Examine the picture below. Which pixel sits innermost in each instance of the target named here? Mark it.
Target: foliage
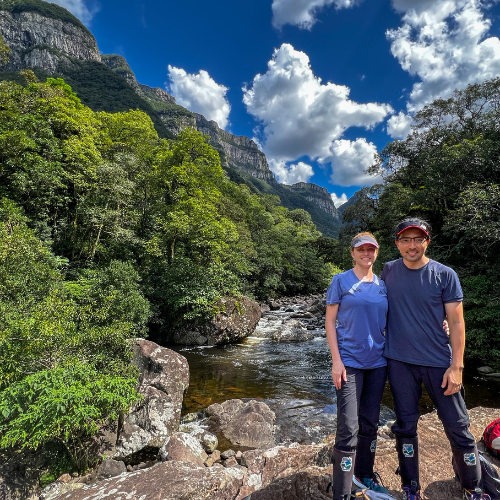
(66, 404)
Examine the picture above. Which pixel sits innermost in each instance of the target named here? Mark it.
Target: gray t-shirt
(417, 297)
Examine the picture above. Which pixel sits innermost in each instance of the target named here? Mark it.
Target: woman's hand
(338, 373)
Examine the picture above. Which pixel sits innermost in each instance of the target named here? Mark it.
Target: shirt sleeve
(452, 292)
(334, 292)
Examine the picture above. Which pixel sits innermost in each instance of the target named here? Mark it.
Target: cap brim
(413, 227)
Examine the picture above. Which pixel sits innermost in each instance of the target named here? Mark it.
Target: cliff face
(317, 195)
(236, 151)
(41, 42)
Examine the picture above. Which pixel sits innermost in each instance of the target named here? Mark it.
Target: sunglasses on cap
(413, 224)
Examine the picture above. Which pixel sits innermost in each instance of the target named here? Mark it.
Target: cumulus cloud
(301, 172)
(300, 116)
(79, 9)
(198, 92)
(338, 200)
(302, 13)
(399, 126)
(444, 44)
(349, 160)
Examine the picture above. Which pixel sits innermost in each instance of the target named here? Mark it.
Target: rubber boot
(468, 467)
(343, 470)
(408, 461)
(365, 456)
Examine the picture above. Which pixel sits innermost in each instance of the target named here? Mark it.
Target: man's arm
(452, 379)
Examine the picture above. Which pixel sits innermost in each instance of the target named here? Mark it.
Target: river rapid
(293, 378)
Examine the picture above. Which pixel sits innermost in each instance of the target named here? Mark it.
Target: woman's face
(364, 255)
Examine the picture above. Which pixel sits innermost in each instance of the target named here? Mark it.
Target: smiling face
(412, 252)
(364, 255)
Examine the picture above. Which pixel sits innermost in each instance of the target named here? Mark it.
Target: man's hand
(452, 380)
(338, 373)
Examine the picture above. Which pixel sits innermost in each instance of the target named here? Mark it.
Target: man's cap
(364, 240)
(413, 224)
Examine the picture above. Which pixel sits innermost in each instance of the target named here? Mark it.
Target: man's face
(412, 251)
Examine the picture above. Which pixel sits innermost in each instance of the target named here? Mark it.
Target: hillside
(53, 43)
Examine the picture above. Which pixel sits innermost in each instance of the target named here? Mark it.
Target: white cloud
(399, 126)
(302, 13)
(339, 200)
(444, 44)
(301, 172)
(79, 9)
(299, 115)
(349, 160)
(198, 92)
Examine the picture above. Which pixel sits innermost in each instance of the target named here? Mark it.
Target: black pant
(358, 405)
(406, 386)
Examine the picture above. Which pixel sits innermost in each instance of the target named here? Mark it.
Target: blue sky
(321, 85)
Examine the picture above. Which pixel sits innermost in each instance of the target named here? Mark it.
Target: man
(421, 293)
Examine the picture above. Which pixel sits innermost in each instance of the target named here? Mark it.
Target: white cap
(364, 240)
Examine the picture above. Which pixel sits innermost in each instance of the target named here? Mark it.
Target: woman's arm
(338, 368)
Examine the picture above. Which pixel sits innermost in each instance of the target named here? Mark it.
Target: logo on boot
(373, 446)
(346, 464)
(408, 450)
(470, 458)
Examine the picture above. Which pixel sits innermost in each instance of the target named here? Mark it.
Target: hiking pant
(406, 386)
(358, 406)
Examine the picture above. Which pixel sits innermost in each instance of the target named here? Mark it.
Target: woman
(355, 322)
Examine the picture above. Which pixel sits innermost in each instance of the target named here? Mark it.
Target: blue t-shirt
(417, 297)
(361, 319)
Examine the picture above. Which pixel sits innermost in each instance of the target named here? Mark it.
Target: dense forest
(106, 230)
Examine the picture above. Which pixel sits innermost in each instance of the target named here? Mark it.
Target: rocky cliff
(317, 195)
(39, 41)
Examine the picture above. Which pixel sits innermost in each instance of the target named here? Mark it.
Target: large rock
(167, 481)
(236, 318)
(164, 377)
(183, 447)
(244, 424)
(292, 331)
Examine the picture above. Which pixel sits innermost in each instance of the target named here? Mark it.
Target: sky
(320, 85)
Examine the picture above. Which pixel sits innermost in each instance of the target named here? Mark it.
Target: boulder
(292, 331)
(318, 307)
(182, 447)
(235, 319)
(166, 481)
(110, 468)
(243, 424)
(164, 377)
(485, 370)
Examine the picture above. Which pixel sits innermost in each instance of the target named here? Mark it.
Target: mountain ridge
(48, 39)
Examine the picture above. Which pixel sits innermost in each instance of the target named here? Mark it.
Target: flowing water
(293, 378)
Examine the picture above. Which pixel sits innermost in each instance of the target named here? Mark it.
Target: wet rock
(190, 417)
(485, 370)
(110, 468)
(243, 424)
(236, 319)
(318, 307)
(305, 315)
(164, 377)
(292, 331)
(208, 440)
(182, 447)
